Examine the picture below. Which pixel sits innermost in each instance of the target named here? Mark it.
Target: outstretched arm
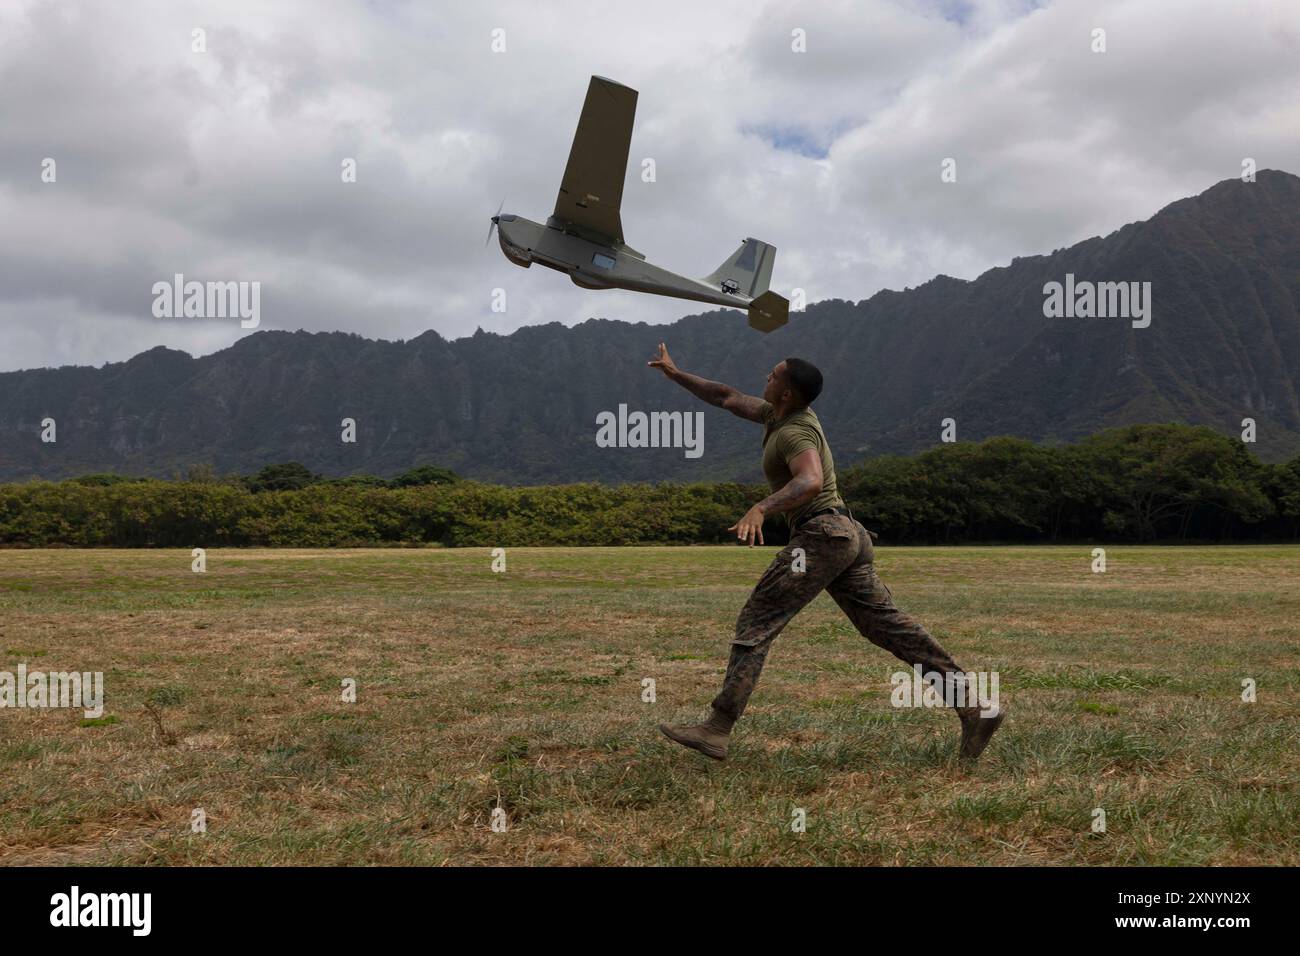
(715, 393)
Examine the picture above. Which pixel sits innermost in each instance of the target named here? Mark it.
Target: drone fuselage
(594, 264)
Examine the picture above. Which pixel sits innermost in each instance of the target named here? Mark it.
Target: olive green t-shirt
(787, 438)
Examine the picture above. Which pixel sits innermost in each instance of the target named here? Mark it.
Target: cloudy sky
(226, 164)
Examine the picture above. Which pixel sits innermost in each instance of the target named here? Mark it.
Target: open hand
(750, 527)
(663, 361)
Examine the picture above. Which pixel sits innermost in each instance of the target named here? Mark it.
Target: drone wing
(592, 189)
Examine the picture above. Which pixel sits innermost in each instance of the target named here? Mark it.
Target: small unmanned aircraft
(584, 236)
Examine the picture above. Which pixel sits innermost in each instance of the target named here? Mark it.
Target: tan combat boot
(709, 738)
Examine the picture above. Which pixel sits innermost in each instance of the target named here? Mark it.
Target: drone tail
(769, 312)
(750, 268)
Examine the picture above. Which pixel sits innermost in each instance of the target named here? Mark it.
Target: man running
(837, 556)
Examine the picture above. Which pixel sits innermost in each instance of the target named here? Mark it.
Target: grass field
(524, 690)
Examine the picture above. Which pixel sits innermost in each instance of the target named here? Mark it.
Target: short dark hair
(805, 378)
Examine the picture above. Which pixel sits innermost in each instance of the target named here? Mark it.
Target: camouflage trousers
(837, 555)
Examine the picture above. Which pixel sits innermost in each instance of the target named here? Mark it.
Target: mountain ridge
(1224, 344)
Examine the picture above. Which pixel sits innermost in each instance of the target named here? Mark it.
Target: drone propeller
(493, 224)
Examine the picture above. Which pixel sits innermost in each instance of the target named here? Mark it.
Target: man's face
(776, 385)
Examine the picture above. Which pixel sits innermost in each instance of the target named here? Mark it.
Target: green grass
(523, 690)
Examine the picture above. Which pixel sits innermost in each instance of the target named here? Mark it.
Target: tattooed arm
(715, 393)
(804, 485)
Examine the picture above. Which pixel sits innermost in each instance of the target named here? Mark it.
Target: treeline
(341, 514)
(1141, 483)
(1137, 484)
(290, 476)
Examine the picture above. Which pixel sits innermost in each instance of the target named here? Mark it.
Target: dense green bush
(188, 514)
(1142, 483)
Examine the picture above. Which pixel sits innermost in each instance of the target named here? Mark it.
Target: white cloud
(225, 165)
